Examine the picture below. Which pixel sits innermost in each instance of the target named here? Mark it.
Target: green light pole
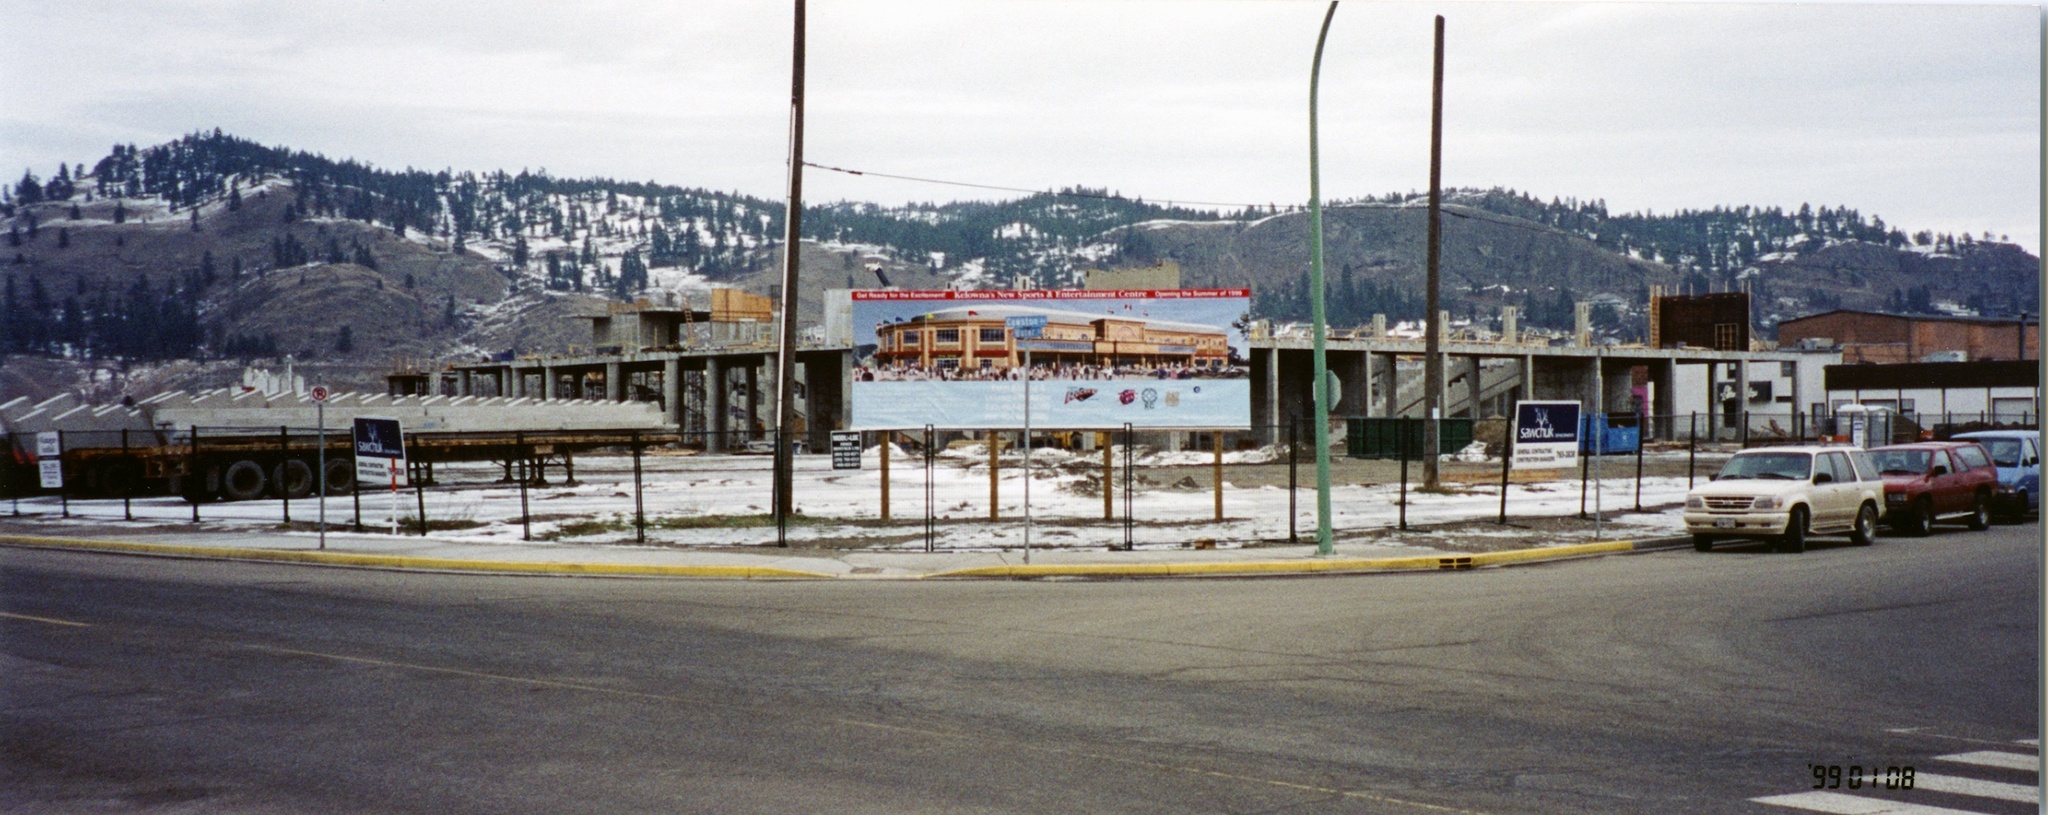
(1315, 271)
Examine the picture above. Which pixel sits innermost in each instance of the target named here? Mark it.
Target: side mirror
(1938, 471)
(1822, 478)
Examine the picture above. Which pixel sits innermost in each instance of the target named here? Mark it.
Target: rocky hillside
(175, 264)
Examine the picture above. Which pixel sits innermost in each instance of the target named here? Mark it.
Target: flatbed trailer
(206, 464)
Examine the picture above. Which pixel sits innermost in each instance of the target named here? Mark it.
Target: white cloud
(1927, 115)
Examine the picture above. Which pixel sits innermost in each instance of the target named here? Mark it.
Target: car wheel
(1702, 543)
(1915, 521)
(1794, 540)
(1865, 531)
(1980, 513)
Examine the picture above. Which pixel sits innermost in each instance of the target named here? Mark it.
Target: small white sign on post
(50, 459)
(1546, 436)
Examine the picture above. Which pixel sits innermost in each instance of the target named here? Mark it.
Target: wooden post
(1108, 486)
(994, 443)
(887, 438)
(1216, 442)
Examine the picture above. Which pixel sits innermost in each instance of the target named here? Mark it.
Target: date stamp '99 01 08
(1857, 776)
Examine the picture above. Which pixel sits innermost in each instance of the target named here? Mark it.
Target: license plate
(1724, 523)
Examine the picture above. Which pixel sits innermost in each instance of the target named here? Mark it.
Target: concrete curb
(418, 563)
(1011, 572)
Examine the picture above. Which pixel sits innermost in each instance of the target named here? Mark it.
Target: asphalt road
(1664, 682)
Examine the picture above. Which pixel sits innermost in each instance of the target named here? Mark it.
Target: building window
(908, 337)
(946, 336)
(991, 335)
(1727, 336)
(1788, 369)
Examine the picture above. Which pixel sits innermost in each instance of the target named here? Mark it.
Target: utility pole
(1433, 352)
(785, 354)
(1321, 388)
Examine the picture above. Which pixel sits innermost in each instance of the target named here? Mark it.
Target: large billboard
(1172, 358)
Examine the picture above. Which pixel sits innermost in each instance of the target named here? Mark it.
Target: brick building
(1870, 336)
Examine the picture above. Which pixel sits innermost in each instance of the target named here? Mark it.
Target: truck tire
(243, 481)
(292, 478)
(341, 476)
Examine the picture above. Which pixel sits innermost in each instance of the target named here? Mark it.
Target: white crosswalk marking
(1995, 758)
(1981, 789)
(1839, 804)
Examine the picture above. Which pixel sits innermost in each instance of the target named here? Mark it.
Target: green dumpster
(1382, 437)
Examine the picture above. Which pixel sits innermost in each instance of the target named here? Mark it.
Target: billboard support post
(1216, 441)
(887, 442)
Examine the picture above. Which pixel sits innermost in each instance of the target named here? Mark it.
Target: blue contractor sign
(380, 449)
(1546, 435)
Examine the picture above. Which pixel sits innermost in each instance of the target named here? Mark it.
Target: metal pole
(930, 514)
(1027, 454)
(1321, 385)
(127, 492)
(1583, 465)
(320, 477)
(1129, 543)
(63, 484)
(194, 475)
(1216, 469)
(1639, 462)
(1403, 443)
(781, 517)
(284, 465)
(1432, 354)
(792, 236)
(1599, 450)
(1692, 446)
(1507, 456)
(888, 441)
(1293, 478)
(419, 485)
(639, 505)
(525, 518)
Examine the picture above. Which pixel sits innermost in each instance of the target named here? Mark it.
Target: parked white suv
(1785, 494)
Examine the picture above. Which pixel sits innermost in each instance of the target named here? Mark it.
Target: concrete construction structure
(1877, 337)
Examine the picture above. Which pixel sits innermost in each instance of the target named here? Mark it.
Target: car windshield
(1900, 462)
(1790, 466)
(2004, 451)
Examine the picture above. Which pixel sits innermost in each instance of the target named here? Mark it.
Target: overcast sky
(1926, 115)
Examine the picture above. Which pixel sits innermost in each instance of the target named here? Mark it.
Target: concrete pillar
(753, 376)
(614, 382)
(1528, 377)
(1272, 418)
(1741, 395)
(1474, 388)
(672, 390)
(1799, 422)
(1393, 386)
(1592, 389)
(715, 399)
(466, 386)
(1368, 402)
(550, 382)
(1713, 418)
(1357, 383)
(1662, 398)
(1509, 325)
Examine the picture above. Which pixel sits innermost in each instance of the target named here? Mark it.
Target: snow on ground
(722, 501)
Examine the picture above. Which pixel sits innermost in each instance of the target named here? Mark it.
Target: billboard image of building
(1150, 358)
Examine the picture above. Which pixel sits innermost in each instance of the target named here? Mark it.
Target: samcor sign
(380, 450)
(1546, 435)
(1169, 358)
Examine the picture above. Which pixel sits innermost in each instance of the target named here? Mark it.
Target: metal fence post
(1507, 456)
(194, 476)
(63, 484)
(1293, 479)
(931, 523)
(1639, 462)
(639, 506)
(284, 465)
(1692, 446)
(419, 487)
(128, 489)
(1584, 463)
(525, 517)
(1403, 444)
(1130, 542)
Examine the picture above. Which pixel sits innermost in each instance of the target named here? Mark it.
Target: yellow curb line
(1444, 562)
(397, 562)
(1448, 562)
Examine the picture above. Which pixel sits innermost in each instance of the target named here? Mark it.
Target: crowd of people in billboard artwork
(1047, 372)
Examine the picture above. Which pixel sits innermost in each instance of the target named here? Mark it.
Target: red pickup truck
(1931, 481)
